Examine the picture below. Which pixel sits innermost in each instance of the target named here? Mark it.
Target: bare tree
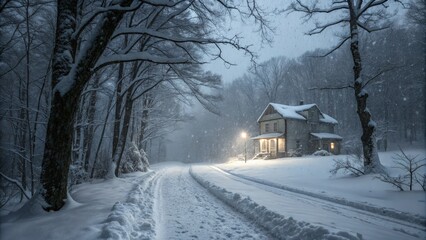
(73, 65)
(24, 48)
(417, 12)
(409, 165)
(356, 15)
(271, 75)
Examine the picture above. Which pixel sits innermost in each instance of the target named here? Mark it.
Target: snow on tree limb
(139, 56)
(85, 45)
(157, 34)
(89, 19)
(17, 183)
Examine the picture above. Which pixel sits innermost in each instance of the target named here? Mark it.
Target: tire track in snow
(408, 228)
(279, 226)
(186, 210)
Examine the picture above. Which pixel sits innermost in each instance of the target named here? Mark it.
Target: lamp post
(244, 136)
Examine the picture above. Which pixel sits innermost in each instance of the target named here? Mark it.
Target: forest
(83, 82)
(396, 100)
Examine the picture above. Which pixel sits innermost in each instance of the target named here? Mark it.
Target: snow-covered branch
(17, 183)
(351, 164)
(89, 19)
(139, 56)
(160, 35)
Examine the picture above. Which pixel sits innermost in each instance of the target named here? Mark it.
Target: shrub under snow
(137, 160)
(321, 153)
(351, 165)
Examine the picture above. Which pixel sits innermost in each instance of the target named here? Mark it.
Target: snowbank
(133, 219)
(278, 225)
(82, 217)
(417, 219)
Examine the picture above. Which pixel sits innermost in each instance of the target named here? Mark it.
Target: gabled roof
(293, 112)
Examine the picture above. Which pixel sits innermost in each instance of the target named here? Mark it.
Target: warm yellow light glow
(244, 135)
(332, 145)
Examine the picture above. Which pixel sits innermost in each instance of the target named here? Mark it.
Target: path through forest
(185, 210)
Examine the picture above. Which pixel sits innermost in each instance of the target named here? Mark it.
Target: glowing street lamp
(244, 136)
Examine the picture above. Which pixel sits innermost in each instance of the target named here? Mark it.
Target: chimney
(301, 102)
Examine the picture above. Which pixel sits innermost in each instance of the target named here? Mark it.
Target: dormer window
(267, 127)
(275, 127)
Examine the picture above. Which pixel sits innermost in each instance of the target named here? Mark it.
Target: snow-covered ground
(303, 189)
(84, 217)
(311, 174)
(291, 198)
(166, 203)
(185, 210)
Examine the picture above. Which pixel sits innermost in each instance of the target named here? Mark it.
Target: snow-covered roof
(327, 119)
(267, 135)
(288, 111)
(293, 112)
(326, 136)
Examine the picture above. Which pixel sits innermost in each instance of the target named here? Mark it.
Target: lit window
(272, 146)
(281, 145)
(263, 145)
(332, 146)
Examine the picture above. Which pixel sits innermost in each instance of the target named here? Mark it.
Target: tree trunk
(57, 158)
(371, 157)
(27, 96)
(128, 106)
(89, 130)
(22, 133)
(147, 104)
(118, 102)
(77, 153)
(57, 152)
(92, 173)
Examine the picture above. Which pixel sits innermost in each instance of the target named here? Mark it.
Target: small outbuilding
(286, 130)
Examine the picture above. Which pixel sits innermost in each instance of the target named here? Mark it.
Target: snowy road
(185, 210)
(316, 211)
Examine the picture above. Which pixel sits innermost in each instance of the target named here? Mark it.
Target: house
(291, 130)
